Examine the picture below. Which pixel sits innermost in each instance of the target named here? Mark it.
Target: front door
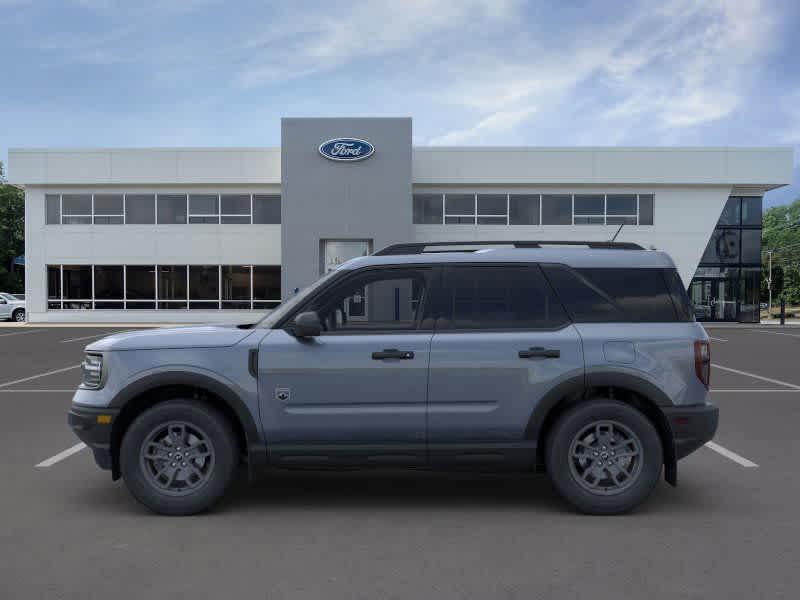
(714, 299)
(358, 392)
(502, 342)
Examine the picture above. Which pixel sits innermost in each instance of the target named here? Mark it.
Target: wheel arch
(624, 387)
(153, 389)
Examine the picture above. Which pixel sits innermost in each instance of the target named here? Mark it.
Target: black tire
(200, 417)
(18, 315)
(640, 473)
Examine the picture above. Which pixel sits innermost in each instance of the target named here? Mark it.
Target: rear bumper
(692, 426)
(96, 435)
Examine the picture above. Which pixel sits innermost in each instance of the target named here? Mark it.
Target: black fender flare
(256, 446)
(577, 386)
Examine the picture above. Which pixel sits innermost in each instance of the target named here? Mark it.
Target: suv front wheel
(604, 457)
(178, 457)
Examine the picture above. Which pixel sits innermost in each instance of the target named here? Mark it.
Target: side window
(498, 297)
(376, 300)
(613, 295)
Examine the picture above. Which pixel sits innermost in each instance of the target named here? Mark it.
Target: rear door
(502, 342)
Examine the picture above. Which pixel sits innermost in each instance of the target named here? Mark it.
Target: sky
(106, 73)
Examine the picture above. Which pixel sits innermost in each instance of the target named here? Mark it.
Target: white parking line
(88, 337)
(64, 391)
(754, 376)
(24, 379)
(717, 339)
(49, 462)
(794, 335)
(723, 391)
(740, 460)
(22, 332)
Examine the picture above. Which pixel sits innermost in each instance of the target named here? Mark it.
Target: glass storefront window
(730, 214)
(751, 211)
(751, 246)
(749, 294)
(723, 247)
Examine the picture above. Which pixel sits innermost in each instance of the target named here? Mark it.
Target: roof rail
(428, 247)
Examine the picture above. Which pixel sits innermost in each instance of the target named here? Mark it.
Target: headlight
(92, 369)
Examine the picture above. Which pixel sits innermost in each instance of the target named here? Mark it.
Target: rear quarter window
(617, 295)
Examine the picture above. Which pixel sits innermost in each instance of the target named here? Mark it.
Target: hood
(201, 336)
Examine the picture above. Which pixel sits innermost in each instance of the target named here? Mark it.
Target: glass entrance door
(714, 299)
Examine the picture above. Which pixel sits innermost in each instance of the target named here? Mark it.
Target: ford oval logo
(346, 149)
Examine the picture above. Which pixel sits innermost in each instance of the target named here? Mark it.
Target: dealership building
(224, 234)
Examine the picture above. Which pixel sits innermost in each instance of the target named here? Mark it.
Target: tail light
(702, 361)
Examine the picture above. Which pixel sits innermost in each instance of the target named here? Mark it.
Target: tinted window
(589, 209)
(53, 206)
(172, 286)
(557, 209)
(235, 208)
(53, 282)
(523, 209)
(140, 282)
(646, 209)
(171, 209)
(203, 208)
(613, 295)
(266, 286)
(108, 282)
(680, 299)
(236, 287)
(77, 282)
(751, 245)
(723, 247)
(428, 209)
(266, 209)
(494, 297)
(203, 285)
(76, 209)
(108, 209)
(460, 205)
(730, 214)
(390, 299)
(751, 211)
(492, 209)
(140, 209)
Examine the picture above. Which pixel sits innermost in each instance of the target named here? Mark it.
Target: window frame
(607, 219)
(136, 304)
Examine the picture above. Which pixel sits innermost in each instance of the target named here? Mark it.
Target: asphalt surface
(727, 531)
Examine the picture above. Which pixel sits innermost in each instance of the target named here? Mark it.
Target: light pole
(769, 285)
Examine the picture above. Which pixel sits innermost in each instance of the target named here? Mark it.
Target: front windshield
(276, 315)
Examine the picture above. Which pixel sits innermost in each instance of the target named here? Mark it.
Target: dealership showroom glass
(214, 234)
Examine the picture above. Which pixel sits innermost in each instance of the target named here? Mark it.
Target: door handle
(539, 352)
(393, 353)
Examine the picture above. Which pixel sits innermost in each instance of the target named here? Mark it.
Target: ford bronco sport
(582, 360)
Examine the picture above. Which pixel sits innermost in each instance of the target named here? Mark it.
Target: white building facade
(223, 234)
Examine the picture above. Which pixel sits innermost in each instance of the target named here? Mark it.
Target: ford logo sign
(346, 149)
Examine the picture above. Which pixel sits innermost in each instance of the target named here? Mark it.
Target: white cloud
(302, 44)
(496, 122)
(683, 64)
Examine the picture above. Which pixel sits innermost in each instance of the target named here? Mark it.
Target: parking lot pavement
(726, 531)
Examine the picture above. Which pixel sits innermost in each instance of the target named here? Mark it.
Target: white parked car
(12, 308)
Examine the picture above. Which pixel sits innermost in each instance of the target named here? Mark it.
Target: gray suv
(582, 360)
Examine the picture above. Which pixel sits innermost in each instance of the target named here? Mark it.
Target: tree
(12, 235)
(781, 235)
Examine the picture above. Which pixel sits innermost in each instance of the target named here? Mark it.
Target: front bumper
(692, 426)
(93, 427)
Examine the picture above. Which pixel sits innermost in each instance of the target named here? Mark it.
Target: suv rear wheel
(178, 457)
(604, 457)
(19, 315)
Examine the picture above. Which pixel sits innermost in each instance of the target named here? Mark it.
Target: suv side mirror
(307, 324)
